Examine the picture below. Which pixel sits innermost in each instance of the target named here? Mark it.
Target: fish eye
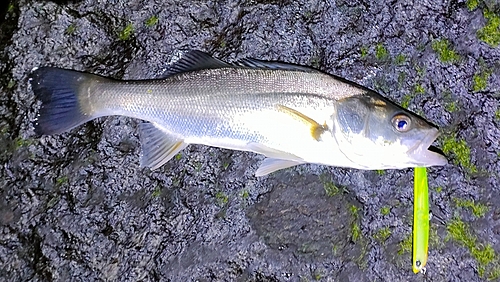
(401, 122)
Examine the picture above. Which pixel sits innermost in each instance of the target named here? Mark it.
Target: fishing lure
(420, 220)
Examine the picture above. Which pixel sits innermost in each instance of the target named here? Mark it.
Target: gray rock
(77, 206)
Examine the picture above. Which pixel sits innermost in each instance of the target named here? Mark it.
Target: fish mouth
(424, 154)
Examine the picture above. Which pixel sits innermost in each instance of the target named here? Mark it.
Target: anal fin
(157, 146)
(270, 165)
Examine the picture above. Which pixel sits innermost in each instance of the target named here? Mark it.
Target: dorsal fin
(258, 64)
(195, 60)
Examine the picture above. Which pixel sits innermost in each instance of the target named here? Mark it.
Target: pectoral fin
(271, 165)
(157, 146)
(316, 129)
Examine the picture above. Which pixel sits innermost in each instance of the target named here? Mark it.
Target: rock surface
(77, 207)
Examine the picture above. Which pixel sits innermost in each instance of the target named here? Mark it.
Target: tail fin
(58, 90)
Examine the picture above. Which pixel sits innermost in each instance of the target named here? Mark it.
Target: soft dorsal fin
(258, 64)
(195, 60)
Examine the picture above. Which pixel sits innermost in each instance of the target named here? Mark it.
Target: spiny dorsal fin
(258, 64)
(195, 60)
(316, 128)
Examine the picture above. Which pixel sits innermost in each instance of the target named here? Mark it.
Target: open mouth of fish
(423, 152)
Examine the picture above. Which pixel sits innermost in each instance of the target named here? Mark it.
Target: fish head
(375, 133)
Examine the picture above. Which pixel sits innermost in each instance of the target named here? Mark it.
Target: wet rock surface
(77, 206)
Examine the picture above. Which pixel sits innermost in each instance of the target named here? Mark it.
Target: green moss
(308, 15)
(53, 201)
(354, 211)
(127, 32)
(221, 198)
(480, 80)
(355, 232)
(461, 152)
(245, 194)
(62, 180)
(445, 51)
(156, 193)
(357, 237)
(317, 275)
(176, 182)
(355, 228)
(308, 248)
(381, 52)
(383, 234)
(152, 21)
(385, 210)
(11, 84)
(477, 209)
(451, 107)
(458, 231)
(401, 78)
(490, 33)
(497, 114)
(198, 166)
(380, 171)
(11, 7)
(419, 89)
(400, 59)
(315, 62)
(331, 189)
(364, 52)
(4, 129)
(484, 254)
(405, 101)
(178, 156)
(494, 273)
(70, 29)
(450, 104)
(420, 70)
(435, 240)
(19, 142)
(472, 4)
(406, 246)
(439, 189)
(335, 249)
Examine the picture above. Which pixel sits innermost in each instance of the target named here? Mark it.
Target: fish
(289, 113)
(421, 220)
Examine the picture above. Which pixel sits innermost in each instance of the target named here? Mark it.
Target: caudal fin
(58, 90)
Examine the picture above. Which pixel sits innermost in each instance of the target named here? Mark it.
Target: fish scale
(291, 114)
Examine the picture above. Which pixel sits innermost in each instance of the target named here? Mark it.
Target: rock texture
(78, 207)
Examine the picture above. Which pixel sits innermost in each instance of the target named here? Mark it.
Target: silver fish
(291, 114)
